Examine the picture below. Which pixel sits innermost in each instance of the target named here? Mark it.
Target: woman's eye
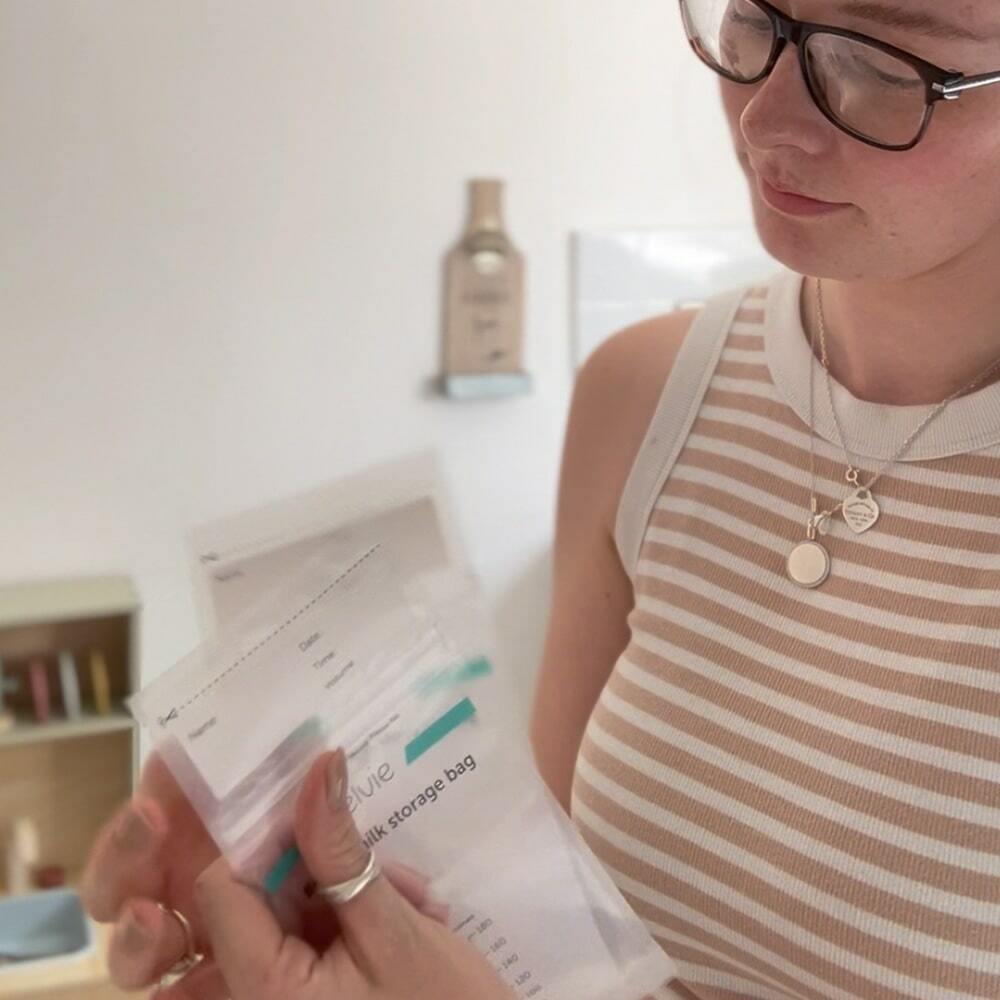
(869, 69)
(759, 24)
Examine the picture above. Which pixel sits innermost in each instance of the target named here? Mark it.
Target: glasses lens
(866, 89)
(734, 37)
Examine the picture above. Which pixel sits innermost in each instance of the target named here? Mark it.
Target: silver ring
(191, 957)
(344, 892)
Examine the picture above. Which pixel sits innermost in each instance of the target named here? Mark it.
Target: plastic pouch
(240, 719)
(398, 673)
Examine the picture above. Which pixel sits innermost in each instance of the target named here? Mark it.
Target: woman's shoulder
(618, 389)
(639, 356)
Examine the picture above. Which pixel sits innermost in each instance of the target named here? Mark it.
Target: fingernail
(133, 832)
(134, 937)
(336, 780)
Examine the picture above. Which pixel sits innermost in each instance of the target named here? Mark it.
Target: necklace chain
(852, 473)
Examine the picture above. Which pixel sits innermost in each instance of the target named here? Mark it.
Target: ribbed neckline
(871, 430)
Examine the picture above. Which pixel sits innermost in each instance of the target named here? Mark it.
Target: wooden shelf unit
(67, 775)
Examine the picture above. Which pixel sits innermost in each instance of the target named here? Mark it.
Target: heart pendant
(861, 511)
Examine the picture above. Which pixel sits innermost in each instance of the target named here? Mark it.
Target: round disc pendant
(808, 564)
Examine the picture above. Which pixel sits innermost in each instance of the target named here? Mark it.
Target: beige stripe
(912, 866)
(744, 370)
(843, 935)
(740, 341)
(943, 975)
(745, 314)
(744, 341)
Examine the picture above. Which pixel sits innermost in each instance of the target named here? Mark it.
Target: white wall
(221, 231)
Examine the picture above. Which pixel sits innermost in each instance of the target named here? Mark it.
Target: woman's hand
(387, 948)
(152, 851)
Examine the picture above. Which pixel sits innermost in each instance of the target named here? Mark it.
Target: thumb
(378, 922)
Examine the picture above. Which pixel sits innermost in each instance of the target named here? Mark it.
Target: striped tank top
(799, 790)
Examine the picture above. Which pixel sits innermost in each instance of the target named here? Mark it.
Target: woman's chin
(802, 248)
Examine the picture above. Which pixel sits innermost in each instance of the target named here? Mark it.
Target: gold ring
(191, 956)
(344, 892)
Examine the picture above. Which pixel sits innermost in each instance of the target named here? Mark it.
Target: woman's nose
(781, 111)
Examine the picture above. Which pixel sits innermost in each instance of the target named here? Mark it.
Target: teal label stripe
(281, 870)
(437, 731)
(471, 670)
(479, 667)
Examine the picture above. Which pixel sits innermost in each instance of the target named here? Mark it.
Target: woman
(769, 693)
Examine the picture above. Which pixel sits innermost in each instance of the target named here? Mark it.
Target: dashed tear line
(298, 614)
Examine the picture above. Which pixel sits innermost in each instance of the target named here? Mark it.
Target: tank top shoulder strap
(675, 413)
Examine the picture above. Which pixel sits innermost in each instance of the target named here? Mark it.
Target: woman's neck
(913, 342)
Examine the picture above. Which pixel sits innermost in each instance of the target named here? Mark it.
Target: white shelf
(25, 731)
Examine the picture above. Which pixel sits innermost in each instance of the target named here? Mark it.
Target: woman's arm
(613, 403)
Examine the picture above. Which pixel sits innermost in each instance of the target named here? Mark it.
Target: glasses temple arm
(953, 88)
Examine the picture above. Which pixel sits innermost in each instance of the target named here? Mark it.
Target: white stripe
(838, 863)
(946, 854)
(909, 665)
(740, 356)
(688, 506)
(754, 909)
(751, 577)
(884, 544)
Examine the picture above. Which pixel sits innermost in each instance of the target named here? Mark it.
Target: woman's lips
(795, 204)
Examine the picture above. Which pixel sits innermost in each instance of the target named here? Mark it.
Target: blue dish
(43, 928)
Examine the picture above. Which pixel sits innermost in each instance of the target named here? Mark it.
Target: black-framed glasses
(869, 89)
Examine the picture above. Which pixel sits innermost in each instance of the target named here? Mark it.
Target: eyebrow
(922, 22)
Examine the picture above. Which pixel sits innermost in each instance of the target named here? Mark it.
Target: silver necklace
(809, 561)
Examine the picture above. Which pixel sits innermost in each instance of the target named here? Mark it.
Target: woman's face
(906, 213)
